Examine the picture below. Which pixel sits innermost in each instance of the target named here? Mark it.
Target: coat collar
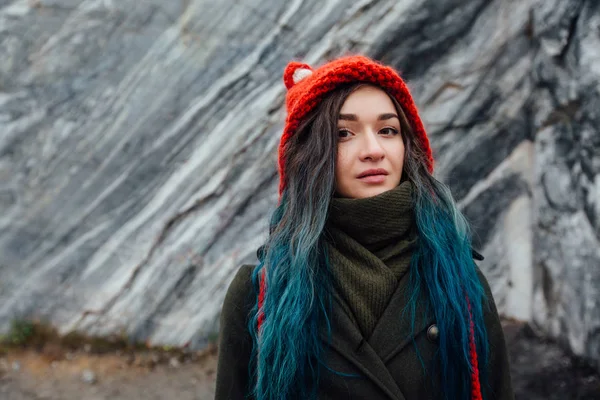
(393, 331)
(388, 338)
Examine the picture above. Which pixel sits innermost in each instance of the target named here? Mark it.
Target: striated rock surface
(138, 146)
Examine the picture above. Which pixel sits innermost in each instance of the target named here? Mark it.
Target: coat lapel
(393, 331)
(347, 340)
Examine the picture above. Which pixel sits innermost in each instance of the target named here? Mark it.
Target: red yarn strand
(261, 300)
(475, 384)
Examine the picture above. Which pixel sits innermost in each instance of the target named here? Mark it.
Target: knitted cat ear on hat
(295, 72)
(306, 87)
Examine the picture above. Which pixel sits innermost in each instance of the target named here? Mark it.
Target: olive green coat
(387, 364)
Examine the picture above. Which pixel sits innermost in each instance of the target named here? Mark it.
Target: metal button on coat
(433, 333)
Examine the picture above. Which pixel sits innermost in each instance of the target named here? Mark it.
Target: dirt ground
(33, 375)
(540, 370)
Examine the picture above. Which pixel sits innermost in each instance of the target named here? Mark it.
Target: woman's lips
(379, 178)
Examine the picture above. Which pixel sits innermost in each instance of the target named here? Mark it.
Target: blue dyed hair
(288, 352)
(442, 265)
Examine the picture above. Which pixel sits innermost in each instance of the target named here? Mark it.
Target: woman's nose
(372, 149)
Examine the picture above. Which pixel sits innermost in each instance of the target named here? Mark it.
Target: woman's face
(370, 148)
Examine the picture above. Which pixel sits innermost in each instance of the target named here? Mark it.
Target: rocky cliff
(138, 140)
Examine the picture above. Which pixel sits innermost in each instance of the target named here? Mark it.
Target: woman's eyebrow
(382, 117)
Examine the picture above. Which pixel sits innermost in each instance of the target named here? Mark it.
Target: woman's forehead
(368, 103)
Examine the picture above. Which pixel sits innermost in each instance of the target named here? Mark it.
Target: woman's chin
(364, 192)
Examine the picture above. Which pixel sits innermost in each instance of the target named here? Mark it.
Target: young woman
(366, 287)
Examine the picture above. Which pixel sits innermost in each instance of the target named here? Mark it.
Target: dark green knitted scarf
(370, 243)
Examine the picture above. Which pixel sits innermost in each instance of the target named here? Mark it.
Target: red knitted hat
(307, 87)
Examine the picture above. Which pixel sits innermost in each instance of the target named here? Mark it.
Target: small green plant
(27, 333)
(20, 333)
(35, 334)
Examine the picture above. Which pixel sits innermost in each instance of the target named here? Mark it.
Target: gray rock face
(138, 148)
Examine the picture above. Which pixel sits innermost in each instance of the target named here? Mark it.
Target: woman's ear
(295, 72)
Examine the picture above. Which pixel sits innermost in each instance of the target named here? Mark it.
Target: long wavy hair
(288, 351)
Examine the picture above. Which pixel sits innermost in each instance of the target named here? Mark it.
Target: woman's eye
(343, 133)
(389, 131)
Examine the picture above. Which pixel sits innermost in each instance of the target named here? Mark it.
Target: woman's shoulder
(240, 296)
(490, 310)
(242, 281)
(484, 283)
